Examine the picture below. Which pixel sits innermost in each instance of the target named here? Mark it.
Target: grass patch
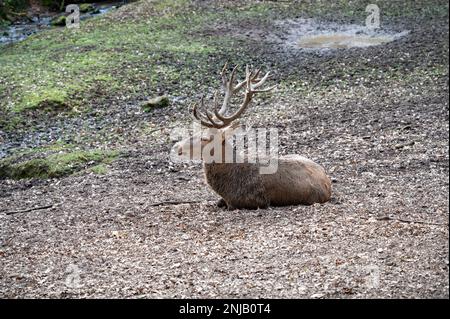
(161, 51)
(100, 169)
(47, 99)
(62, 163)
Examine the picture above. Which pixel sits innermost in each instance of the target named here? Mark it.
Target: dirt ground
(384, 234)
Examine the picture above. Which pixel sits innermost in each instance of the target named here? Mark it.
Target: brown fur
(297, 181)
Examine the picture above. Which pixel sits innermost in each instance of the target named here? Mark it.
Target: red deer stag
(240, 184)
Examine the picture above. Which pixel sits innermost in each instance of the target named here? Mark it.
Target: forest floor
(376, 118)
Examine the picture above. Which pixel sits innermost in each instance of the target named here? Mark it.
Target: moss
(86, 7)
(100, 169)
(47, 100)
(56, 164)
(28, 169)
(162, 49)
(58, 21)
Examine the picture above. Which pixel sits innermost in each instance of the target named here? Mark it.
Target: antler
(251, 84)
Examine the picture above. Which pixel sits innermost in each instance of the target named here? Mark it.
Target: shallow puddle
(342, 41)
(311, 34)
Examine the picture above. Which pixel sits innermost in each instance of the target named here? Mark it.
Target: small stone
(400, 146)
(87, 7)
(58, 21)
(154, 103)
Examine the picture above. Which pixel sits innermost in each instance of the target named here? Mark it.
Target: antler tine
(224, 68)
(245, 103)
(251, 82)
(228, 87)
(261, 81)
(232, 77)
(248, 78)
(255, 77)
(251, 89)
(210, 118)
(198, 117)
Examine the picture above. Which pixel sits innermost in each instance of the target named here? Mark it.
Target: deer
(240, 185)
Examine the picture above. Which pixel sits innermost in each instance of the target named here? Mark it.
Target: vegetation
(9, 9)
(173, 48)
(141, 57)
(55, 161)
(58, 21)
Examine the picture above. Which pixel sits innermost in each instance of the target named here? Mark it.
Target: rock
(58, 21)
(400, 146)
(155, 103)
(87, 7)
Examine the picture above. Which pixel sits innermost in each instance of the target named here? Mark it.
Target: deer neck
(224, 161)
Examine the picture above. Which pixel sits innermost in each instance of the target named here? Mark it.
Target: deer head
(219, 125)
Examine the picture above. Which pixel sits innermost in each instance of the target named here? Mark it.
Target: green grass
(71, 66)
(47, 99)
(100, 169)
(135, 59)
(61, 161)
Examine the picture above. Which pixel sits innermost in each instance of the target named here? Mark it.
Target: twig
(409, 221)
(166, 203)
(162, 128)
(28, 209)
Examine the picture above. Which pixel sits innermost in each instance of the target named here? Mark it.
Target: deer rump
(298, 180)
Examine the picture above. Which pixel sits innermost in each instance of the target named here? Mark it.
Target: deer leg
(223, 204)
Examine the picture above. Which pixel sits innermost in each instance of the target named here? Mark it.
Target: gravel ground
(384, 234)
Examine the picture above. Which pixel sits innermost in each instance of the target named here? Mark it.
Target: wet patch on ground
(313, 34)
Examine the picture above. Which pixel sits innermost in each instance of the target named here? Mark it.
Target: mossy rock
(87, 7)
(49, 100)
(28, 169)
(58, 21)
(100, 169)
(56, 165)
(155, 103)
(52, 105)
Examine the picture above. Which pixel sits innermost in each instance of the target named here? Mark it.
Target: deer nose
(180, 151)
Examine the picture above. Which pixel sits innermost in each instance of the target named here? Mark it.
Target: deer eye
(205, 139)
